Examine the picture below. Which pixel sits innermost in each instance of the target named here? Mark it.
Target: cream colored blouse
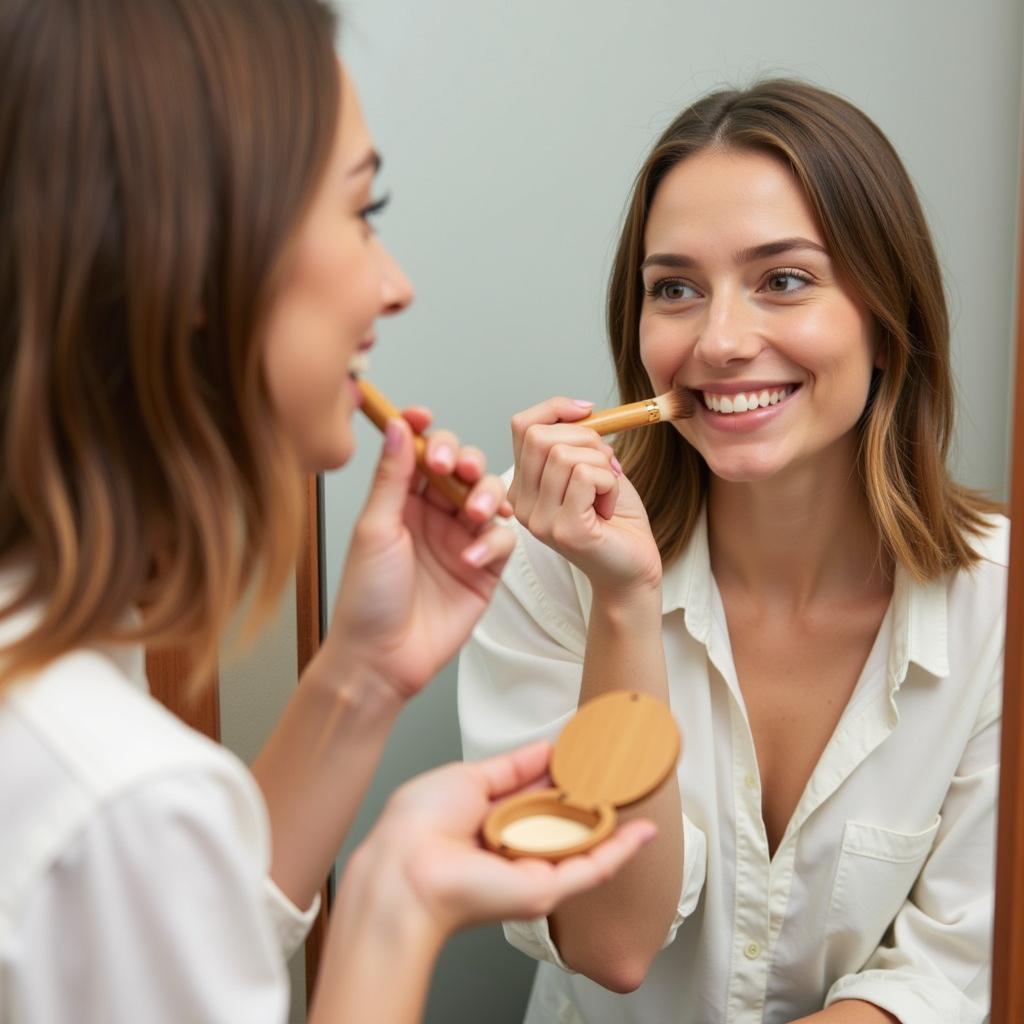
(881, 888)
(134, 858)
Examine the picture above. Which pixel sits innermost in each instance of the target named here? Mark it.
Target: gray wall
(511, 132)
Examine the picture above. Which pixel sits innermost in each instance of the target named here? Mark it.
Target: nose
(396, 289)
(727, 335)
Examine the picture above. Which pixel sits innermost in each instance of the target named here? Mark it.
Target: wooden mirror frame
(1008, 951)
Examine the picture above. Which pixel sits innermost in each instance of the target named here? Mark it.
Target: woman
(792, 570)
(187, 276)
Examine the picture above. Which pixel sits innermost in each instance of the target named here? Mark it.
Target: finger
(491, 550)
(591, 487)
(509, 772)
(471, 463)
(442, 451)
(577, 874)
(564, 462)
(419, 417)
(395, 472)
(533, 457)
(554, 410)
(484, 500)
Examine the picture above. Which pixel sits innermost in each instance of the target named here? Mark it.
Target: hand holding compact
(425, 847)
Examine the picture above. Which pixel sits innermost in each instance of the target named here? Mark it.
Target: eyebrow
(749, 255)
(371, 162)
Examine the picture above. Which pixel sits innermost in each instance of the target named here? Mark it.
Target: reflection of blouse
(881, 888)
(133, 859)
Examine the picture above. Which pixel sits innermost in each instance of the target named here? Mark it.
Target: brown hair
(878, 239)
(155, 158)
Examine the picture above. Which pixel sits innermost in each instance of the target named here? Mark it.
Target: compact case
(617, 749)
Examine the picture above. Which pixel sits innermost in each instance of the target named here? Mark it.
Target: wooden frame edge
(308, 619)
(1008, 934)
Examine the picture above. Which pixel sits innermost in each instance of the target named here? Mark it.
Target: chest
(797, 677)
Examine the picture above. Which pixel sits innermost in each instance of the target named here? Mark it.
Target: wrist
(374, 938)
(377, 887)
(638, 601)
(351, 686)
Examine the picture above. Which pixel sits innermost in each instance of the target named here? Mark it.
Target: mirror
(511, 135)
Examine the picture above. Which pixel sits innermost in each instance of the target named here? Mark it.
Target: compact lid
(616, 749)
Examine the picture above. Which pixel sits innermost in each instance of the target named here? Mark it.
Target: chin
(332, 453)
(744, 470)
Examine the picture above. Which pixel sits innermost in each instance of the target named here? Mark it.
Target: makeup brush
(379, 410)
(677, 404)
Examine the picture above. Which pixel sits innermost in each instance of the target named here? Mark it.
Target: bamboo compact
(617, 749)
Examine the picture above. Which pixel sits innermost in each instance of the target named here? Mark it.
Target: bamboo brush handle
(379, 409)
(623, 417)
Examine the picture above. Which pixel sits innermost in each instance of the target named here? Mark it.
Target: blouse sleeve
(934, 966)
(519, 681)
(157, 911)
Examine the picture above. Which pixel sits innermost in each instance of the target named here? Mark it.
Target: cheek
(337, 280)
(837, 348)
(663, 348)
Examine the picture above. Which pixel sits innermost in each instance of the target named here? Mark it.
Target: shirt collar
(919, 610)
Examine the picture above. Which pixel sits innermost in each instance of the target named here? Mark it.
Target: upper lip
(365, 346)
(742, 387)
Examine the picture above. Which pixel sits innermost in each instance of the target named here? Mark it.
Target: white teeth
(746, 402)
(359, 363)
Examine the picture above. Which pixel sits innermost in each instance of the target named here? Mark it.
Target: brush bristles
(677, 404)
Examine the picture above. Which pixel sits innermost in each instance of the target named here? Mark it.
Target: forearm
(850, 1011)
(612, 933)
(380, 950)
(315, 769)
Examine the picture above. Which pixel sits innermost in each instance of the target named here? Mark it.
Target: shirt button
(751, 781)
(752, 951)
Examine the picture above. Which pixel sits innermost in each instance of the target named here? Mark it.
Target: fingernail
(444, 457)
(484, 504)
(476, 553)
(616, 466)
(582, 403)
(393, 437)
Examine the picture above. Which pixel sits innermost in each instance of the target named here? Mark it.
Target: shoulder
(80, 738)
(978, 592)
(103, 729)
(993, 545)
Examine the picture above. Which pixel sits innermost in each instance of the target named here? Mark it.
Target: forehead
(735, 193)
(354, 139)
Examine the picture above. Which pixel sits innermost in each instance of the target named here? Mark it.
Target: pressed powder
(544, 832)
(615, 750)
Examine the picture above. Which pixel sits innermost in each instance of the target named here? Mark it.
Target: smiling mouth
(730, 405)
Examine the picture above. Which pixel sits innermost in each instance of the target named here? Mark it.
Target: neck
(802, 536)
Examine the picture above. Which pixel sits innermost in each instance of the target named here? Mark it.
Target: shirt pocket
(877, 869)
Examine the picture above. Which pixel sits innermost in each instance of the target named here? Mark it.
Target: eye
(367, 213)
(672, 289)
(784, 280)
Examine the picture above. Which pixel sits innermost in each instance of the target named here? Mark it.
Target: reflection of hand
(417, 575)
(570, 493)
(425, 845)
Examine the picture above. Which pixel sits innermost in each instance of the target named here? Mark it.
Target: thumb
(390, 487)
